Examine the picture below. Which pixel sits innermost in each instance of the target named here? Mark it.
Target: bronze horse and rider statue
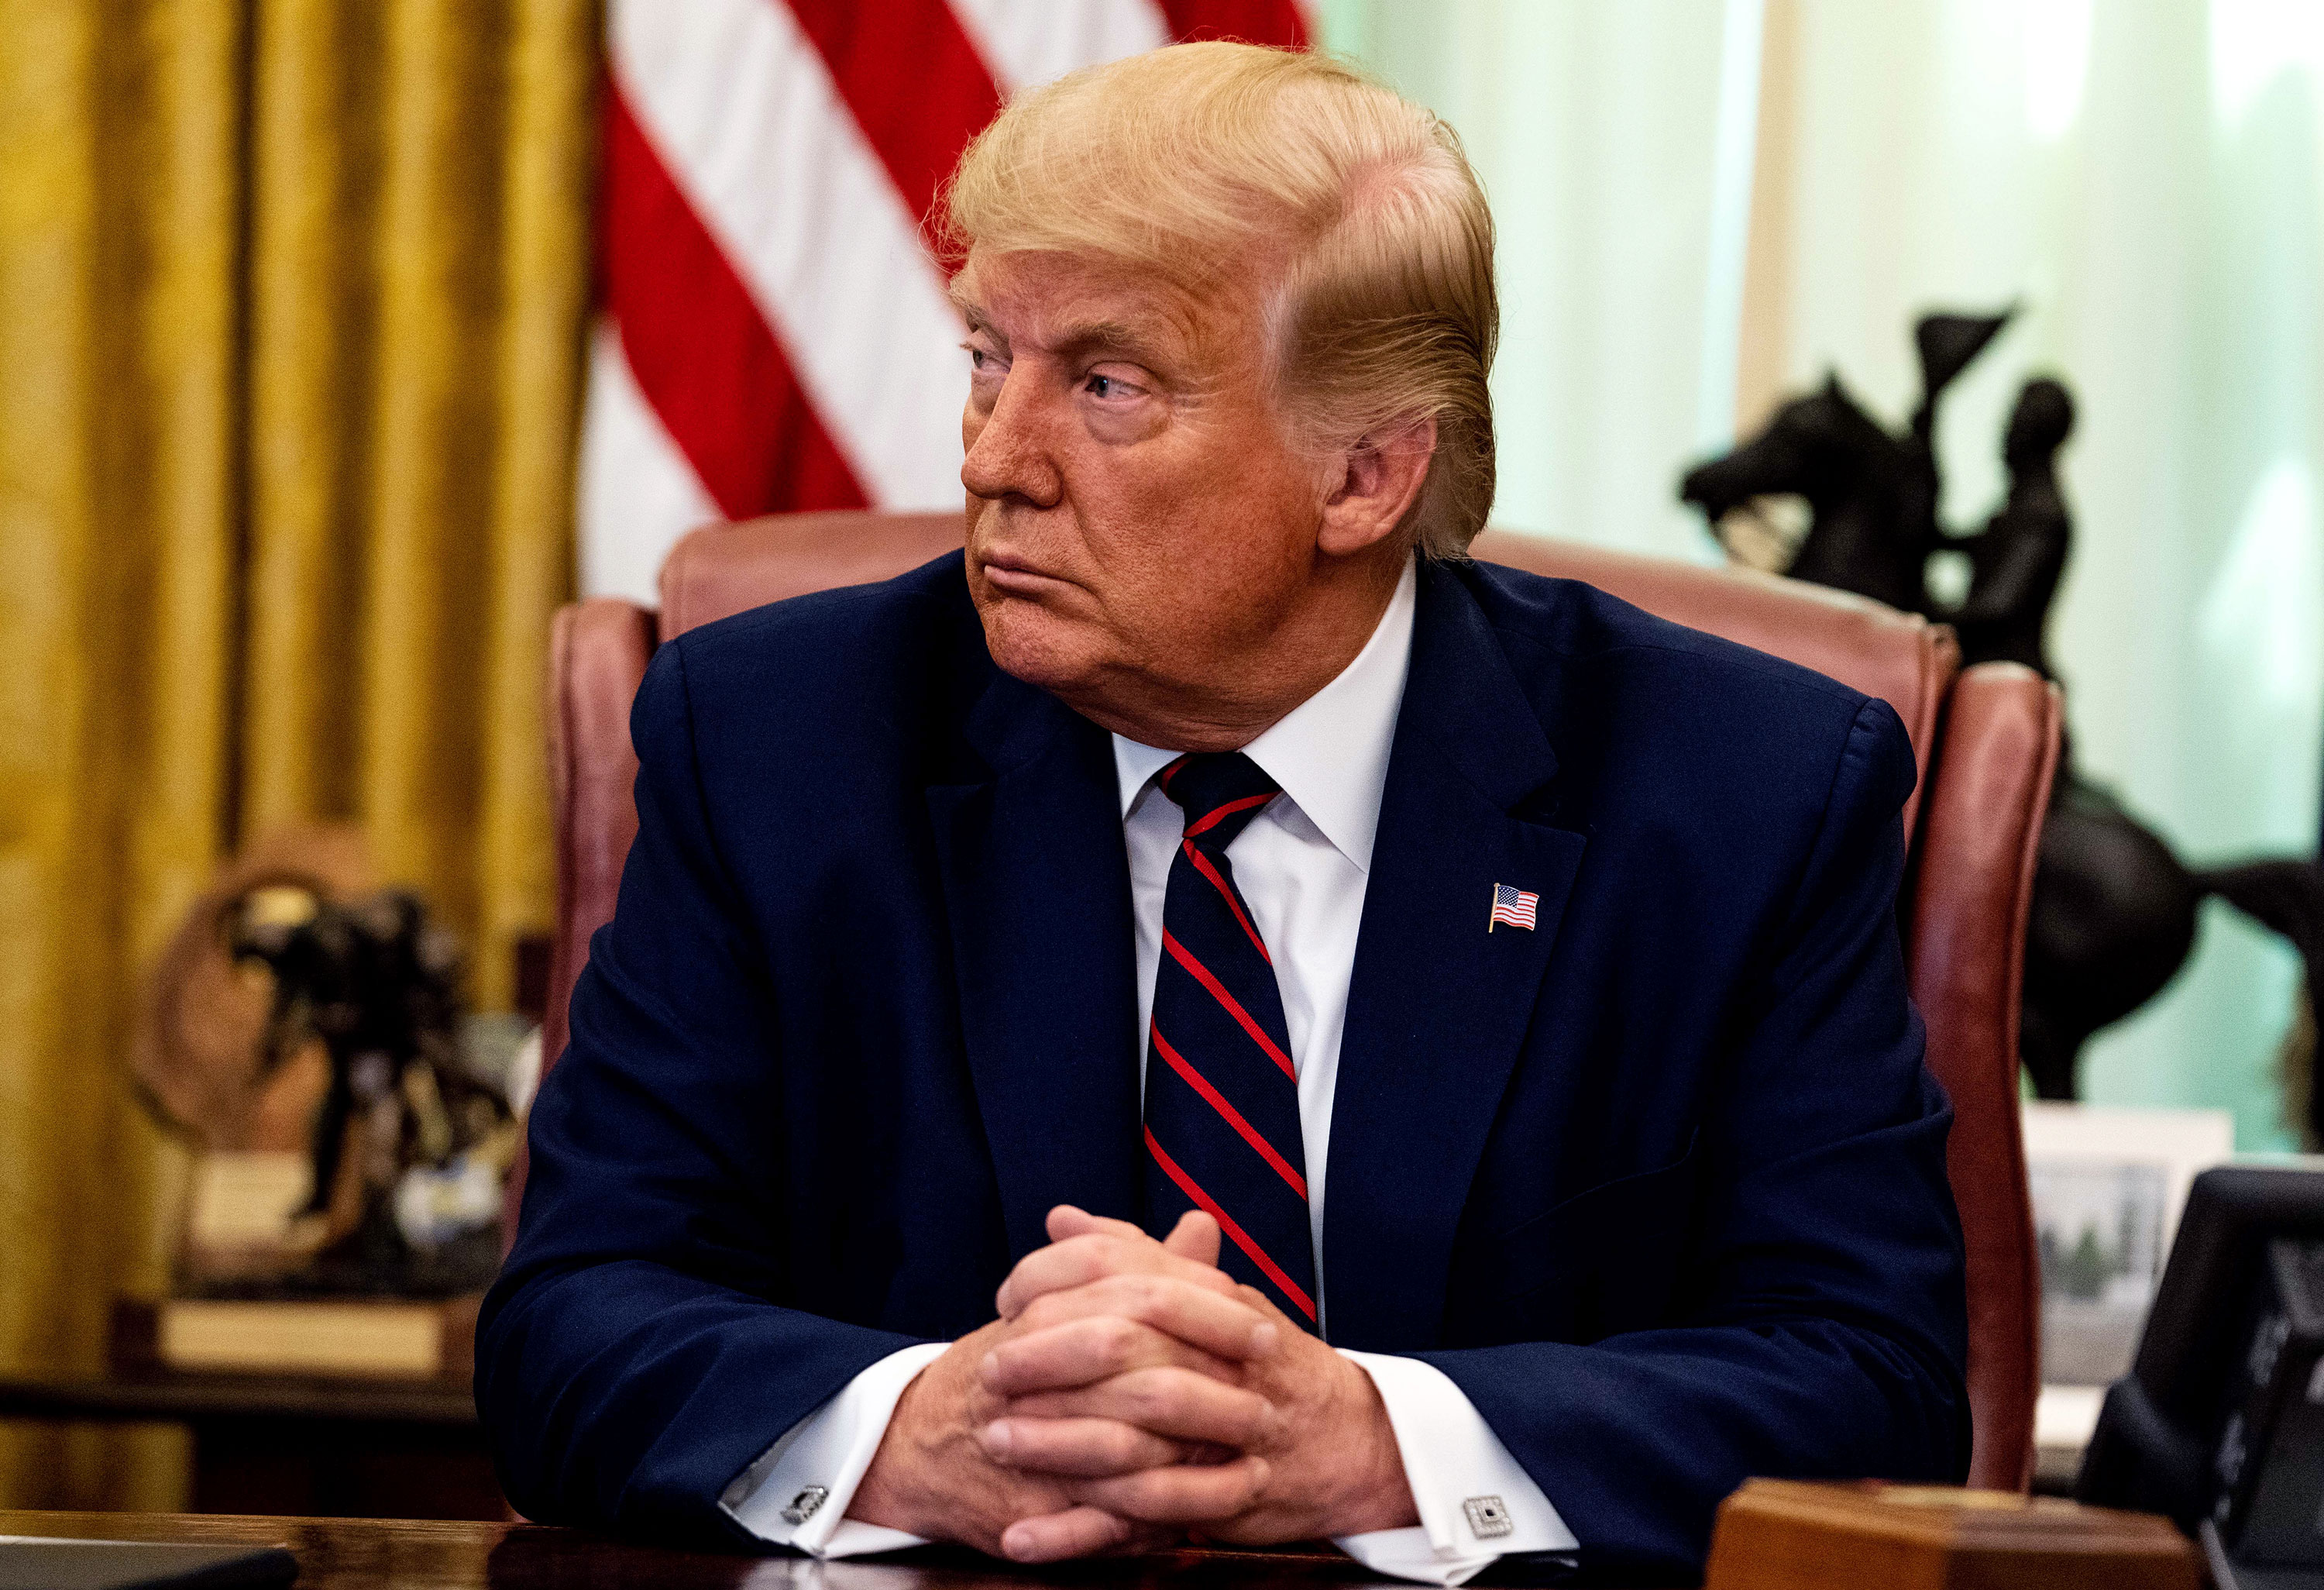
(2113, 910)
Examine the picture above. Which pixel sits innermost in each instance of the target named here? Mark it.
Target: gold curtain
(292, 299)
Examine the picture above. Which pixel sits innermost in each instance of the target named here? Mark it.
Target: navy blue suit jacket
(1660, 1183)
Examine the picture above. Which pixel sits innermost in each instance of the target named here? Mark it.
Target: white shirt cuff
(1476, 1502)
(797, 1493)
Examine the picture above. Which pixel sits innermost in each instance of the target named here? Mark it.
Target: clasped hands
(1133, 1393)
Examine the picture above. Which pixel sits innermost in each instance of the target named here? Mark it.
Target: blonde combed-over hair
(1201, 159)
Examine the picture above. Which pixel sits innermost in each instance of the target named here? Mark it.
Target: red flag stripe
(1235, 1234)
(725, 315)
(1203, 866)
(917, 134)
(1234, 1117)
(699, 349)
(1254, 22)
(1202, 974)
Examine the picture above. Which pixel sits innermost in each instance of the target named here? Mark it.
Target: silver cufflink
(1488, 1519)
(803, 1505)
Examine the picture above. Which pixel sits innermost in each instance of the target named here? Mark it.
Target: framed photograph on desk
(2108, 1185)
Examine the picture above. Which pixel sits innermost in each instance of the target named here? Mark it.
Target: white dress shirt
(1301, 866)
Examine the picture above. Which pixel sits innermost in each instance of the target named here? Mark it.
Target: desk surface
(363, 1554)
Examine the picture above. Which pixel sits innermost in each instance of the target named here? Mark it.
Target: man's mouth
(1017, 577)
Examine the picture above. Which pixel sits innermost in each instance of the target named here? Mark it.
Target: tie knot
(1220, 791)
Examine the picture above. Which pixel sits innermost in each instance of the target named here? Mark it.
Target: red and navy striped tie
(1221, 1096)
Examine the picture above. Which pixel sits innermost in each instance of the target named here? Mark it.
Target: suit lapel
(1437, 1005)
(1037, 889)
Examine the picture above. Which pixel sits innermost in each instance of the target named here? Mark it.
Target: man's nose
(1008, 453)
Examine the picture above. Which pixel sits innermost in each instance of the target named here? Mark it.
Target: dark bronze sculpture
(2016, 560)
(2114, 910)
(377, 983)
(302, 1034)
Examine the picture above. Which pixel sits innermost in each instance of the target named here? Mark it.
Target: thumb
(1066, 1221)
(1196, 1237)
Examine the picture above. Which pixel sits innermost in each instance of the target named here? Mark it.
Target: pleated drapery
(291, 297)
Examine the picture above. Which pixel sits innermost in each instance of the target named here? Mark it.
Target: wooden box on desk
(1783, 1535)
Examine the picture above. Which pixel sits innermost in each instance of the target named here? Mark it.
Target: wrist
(1378, 1494)
(912, 1482)
(929, 1476)
(886, 1494)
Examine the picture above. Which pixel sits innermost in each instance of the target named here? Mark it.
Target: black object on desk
(2220, 1423)
(35, 1563)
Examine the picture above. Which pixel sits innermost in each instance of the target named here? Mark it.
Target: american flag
(1513, 906)
(773, 331)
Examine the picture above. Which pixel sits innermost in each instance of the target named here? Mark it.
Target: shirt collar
(1330, 752)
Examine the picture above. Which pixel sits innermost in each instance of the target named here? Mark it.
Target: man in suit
(1209, 1011)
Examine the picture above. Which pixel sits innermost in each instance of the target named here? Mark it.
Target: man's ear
(1380, 477)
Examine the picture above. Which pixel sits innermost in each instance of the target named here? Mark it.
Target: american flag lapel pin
(1513, 906)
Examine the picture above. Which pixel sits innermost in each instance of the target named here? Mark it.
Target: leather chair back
(1985, 741)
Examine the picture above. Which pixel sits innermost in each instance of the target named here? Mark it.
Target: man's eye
(1106, 386)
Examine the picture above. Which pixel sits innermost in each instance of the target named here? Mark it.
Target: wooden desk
(362, 1553)
(274, 1443)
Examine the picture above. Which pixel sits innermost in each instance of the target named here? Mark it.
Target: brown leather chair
(1985, 739)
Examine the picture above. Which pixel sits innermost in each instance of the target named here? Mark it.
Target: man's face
(1137, 525)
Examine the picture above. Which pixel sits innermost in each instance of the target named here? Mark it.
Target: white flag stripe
(741, 106)
(1028, 43)
(638, 493)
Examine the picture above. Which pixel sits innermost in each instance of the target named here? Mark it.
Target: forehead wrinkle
(1108, 335)
(1112, 337)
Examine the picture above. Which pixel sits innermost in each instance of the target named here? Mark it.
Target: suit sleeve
(633, 1359)
(1825, 1331)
